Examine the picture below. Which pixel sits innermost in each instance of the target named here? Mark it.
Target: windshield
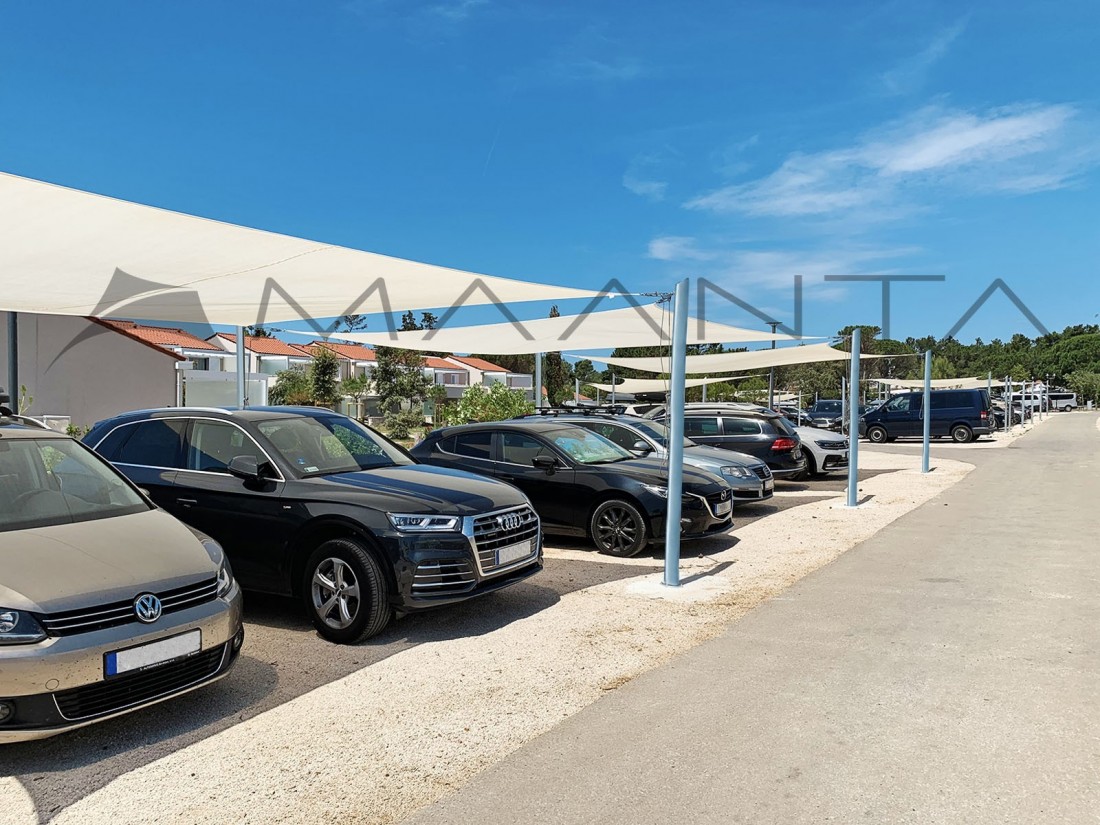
(330, 444)
(658, 432)
(828, 407)
(50, 481)
(586, 447)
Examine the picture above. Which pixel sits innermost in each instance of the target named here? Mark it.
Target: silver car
(107, 604)
(749, 478)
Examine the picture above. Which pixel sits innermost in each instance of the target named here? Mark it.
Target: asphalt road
(284, 658)
(947, 670)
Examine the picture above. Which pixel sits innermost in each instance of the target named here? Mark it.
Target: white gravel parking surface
(383, 741)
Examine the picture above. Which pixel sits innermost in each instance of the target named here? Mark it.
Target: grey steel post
(676, 434)
(576, 391)
(538, 380)
(612, 387)
(242, 370)
(843, 404)
(771, 373)
(926, 412)
(853, 424)
(13, 360)
(704, 393)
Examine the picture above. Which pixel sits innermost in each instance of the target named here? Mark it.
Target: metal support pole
(843, 404)
(676, 434)
(13, 360)
(926, 413)
(577, 391)
(538, 380)
(613, 387)
(853, 424)
(242, 370)
(771, 373)
(704, 393)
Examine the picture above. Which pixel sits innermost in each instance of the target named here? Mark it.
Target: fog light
(238, 640)
(7, 711)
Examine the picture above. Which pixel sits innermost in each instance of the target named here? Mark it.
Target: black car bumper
(699, 516)
(785, 465)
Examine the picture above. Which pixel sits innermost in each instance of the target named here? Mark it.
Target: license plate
(515, 552)
(723, 508)
(152, 654)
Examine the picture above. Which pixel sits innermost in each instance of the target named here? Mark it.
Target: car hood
(72, 566)
(723, 458)
(655, 471)
(813, 434)
(419, 488)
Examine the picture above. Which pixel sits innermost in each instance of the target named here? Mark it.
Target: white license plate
(154, 653)
(515, 552)
(723, 508)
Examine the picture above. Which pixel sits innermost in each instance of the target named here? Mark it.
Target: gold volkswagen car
(107, 604)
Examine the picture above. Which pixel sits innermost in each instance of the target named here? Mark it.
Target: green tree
(324, 375)
(258, 331)
(356, 388)
(556, 373)
(496, 402)
(291, 386)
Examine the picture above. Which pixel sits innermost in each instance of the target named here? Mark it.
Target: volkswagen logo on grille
(147, 608)
(509, 521)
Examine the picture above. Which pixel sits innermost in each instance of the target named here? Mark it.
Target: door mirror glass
(642, 447)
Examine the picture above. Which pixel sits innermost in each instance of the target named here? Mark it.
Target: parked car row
(307, 503)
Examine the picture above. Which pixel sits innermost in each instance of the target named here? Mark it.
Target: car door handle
(187, 502)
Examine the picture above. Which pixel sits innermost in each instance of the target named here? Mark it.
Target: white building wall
(104, 374)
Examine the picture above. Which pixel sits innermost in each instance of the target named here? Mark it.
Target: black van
(961, 414)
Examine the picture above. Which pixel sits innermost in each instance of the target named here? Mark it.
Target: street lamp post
(771, 373)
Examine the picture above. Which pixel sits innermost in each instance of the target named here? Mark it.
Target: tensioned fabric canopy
(721, 362)
(636, 385)
(937, 383)
(68, 252)
(631, 326)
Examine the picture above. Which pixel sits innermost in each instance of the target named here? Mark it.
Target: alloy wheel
(335, 593)
(617, 529)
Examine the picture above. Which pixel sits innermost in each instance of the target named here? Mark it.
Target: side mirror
(642, 447)
(545, 462)
(245, 467)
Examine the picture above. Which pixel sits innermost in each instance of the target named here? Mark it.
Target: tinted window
(741, 426)
(521, 449)
(780, 424)
(155, 443)
(899, 403)
(828, 406)
(110, 446)
(213, 444)
(474, 445)
(700, 426)
(951, 400)
(613, 432)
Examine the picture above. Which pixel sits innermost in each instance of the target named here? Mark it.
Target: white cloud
(459, 10)
(910, 75)
(1017, 149)
(677, 248)
(652, 189)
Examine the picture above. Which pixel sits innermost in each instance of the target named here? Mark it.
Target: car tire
(345, 592)
(811, 468)
(962, 434)
(618, 528)
(877, 435)
(1066, 409)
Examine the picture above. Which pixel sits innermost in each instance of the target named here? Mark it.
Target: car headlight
(738, 472)
(417, 523)
(656, 489)
(19, 628)
(225, 578)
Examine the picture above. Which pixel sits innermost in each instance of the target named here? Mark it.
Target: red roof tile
(266, 346)
(164, 337)
(439, 363)
(350, 352)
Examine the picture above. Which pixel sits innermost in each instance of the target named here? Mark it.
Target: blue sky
(573, 142)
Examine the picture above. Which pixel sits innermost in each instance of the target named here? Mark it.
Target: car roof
(526, 424)
(228, 413)
(11, 428)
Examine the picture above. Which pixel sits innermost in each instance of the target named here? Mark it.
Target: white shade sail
(68, 252)
(937, 383)
(631, 326)
(636, 385)
(721, 362)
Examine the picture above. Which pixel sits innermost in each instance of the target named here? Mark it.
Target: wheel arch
(320, 530)
(617, 495)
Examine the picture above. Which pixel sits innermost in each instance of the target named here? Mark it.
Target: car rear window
(154, 443)
(700, 426)
(474, 445)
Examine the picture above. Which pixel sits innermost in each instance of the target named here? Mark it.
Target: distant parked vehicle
(1064, 401)
(107, 604)
(825, 412)
(581, 483)
(766, 435)
(312, 504)
(962, 414)
(825, 453)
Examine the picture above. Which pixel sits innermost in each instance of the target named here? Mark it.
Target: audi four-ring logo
(147, 608)
(509, 521)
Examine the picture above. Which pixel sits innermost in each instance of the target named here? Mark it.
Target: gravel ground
(303, 731)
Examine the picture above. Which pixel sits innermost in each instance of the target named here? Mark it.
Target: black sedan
(313, 504)
(581, 483)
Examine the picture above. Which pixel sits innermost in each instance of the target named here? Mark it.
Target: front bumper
(437, 570)
(59, 684)
(751, 489)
